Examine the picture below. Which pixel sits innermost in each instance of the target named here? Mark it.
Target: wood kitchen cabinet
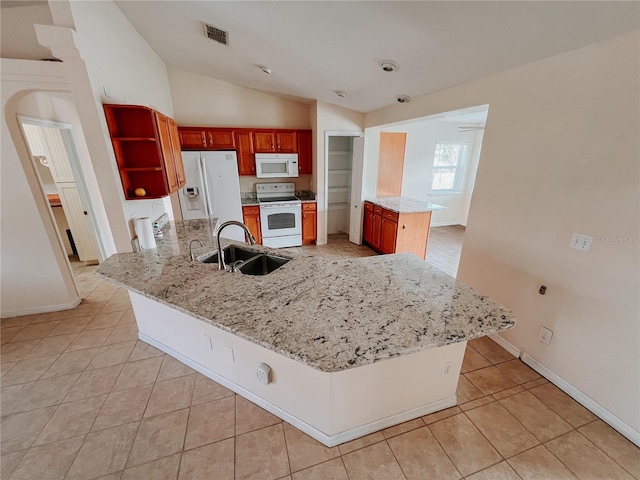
(245, 153)
(202, 138)
(309, 222)
(147, 150)
(274, 141)
(251, 218)
(247, 142)
(170, 147)
(304, 151)
(390, 232)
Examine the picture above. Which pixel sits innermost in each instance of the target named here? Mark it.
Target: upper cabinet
(246, 159)
(247, 142)
(147, 149)
(304, 151)
(274, 141)
(200, 138)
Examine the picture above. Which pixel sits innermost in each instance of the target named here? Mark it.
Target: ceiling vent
(216, 34)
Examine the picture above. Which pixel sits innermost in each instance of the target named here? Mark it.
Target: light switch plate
(580, 241)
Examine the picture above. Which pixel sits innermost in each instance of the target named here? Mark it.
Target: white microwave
(276, 165)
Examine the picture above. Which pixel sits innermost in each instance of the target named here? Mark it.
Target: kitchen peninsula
(398, 224)
(353, 345)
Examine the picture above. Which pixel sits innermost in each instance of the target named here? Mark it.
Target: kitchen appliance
(276, 165)
(212, 189)
(280, 214)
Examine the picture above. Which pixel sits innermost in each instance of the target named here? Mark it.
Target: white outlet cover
(545, 335)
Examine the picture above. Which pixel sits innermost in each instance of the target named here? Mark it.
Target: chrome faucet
(221, 264)
(191, 257)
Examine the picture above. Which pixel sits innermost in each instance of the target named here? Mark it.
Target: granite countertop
(329, 314)
(405, 204)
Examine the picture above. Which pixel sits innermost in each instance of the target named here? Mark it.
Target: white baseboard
(621, 426)
(506, 345)
(45, 309)
(447, 224)
(328, 440)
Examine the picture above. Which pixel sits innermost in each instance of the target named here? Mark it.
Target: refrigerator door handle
(203, 177)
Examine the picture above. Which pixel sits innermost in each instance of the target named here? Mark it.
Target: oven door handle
(279, 205)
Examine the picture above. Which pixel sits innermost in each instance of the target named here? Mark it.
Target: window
(448, 167)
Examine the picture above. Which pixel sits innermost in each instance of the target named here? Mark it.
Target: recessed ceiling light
(389, 65)
(341, 93)
(265, 69)
(403, 98)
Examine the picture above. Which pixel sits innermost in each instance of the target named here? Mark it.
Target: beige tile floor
(81, 398)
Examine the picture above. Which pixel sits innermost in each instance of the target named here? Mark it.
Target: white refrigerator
(212, 189)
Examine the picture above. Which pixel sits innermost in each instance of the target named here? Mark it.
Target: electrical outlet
(545, 335)
(581, 242)
(446, 368)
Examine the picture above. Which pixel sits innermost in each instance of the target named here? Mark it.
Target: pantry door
(356, 215)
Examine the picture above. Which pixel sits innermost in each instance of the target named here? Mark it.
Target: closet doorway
(345, 158)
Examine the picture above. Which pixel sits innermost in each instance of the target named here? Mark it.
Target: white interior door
(58, 157)
(357, 169)
(78, 221)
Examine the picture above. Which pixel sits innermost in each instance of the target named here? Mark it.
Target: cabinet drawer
(393, 216)
(251, 210)
(377, 210)
(309, 206)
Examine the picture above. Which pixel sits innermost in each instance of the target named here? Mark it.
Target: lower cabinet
(391, 232)
(309, 222)
(251, 218)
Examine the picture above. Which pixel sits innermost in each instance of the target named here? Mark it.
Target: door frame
(339, 133)
(74, 160)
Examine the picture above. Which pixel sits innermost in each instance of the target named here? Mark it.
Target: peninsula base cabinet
(390, 232)
(327, 406)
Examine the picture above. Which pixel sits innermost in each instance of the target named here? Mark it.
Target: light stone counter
(405, 204)
(328, 314)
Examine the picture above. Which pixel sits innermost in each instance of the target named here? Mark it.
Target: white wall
(328, 118)
(418, 164)
(204, 101)
(560, 155)
(18, 39)
(33, 266)
(119, 59)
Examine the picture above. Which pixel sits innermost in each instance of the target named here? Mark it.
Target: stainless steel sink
(262, 264)
(246, 261)
(232, 254)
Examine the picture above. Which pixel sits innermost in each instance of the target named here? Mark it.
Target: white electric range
(280, 214)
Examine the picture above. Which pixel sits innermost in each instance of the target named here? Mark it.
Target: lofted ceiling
(315, 48)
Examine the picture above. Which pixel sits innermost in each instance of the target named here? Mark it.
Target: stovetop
(276, 192)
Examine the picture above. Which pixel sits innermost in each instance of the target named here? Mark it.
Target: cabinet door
(251, 218)
(246, 159)
(286, 142)
(376, 231)
(264, 142)
(192, 138)
(304, 152)
(309, 223)
(388, 234)
(218, 139)
(177, 153)
(164, 135)
(367, 234)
